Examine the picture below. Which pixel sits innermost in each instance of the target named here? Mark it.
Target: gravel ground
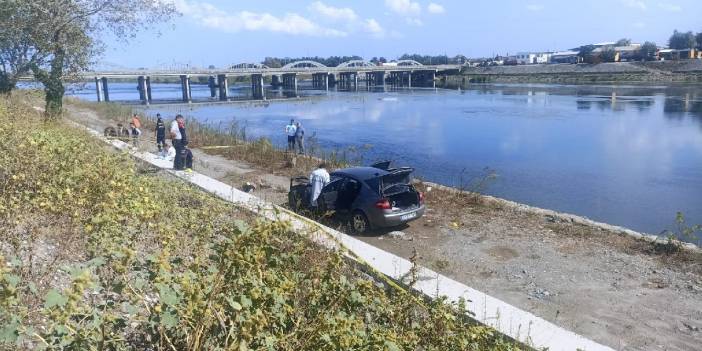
(609, 287)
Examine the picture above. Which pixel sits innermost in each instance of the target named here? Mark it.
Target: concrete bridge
(403, 73)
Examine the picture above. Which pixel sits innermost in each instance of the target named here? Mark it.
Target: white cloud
(414, 21)
(638, 4)
(435, 8)
(348, 18)
(291, 23)
(334, 13)
(374, 28)
(535, 7)
(669, 7)
(404, 7)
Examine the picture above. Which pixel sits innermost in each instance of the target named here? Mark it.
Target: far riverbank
(688, 71)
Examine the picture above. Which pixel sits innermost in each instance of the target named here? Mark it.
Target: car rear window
(390, 184)
(392, 179)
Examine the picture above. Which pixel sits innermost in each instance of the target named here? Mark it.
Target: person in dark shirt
(160, 132)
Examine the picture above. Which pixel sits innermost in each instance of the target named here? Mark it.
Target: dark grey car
(368, 197)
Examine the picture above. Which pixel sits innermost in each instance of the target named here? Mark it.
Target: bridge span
(346, 77)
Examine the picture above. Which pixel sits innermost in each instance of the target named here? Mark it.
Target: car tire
(359, 223)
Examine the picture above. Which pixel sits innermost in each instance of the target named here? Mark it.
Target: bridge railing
(267, 71)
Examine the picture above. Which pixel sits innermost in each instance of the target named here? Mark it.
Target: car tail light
(421, 197)
(383, 204)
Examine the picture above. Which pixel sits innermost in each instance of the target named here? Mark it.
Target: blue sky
(223, 32)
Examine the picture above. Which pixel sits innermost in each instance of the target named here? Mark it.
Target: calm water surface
(625, 155)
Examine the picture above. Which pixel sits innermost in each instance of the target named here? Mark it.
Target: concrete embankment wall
(659, 71)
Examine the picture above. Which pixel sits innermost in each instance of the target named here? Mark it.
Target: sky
(222, 33)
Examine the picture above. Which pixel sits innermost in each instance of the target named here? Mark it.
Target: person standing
(300, 138)
(160, 133)
(135, 126)
(179, 141)
(137, 122)
(135, 134)
(318, 179)
(290, 130)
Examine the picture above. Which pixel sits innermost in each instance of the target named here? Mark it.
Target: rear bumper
(394, 219)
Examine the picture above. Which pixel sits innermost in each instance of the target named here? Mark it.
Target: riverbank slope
(620, 291)
(687, 71)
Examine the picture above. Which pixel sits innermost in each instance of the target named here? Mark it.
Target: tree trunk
(7, 83)
(53, 86)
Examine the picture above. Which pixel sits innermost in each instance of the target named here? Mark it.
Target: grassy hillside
(99, 253)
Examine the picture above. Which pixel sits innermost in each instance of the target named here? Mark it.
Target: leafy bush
(100, 253)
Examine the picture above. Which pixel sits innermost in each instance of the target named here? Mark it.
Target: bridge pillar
(98, 89)
(212, 84)
(320, 80)
(409, 79)
(105, 89)
(290, 81)
(275, 80)
(185, 86)
(223, 86)
(375, 78)
(148, 89)
(141, 86)
(348, 81)
(257, 87)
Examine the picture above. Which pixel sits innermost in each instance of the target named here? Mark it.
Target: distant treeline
(333, 61)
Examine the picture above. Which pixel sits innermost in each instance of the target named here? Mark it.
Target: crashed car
(367, 197)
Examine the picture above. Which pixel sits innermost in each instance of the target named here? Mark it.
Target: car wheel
(359, 223)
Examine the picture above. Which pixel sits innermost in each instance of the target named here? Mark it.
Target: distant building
(531, 58)
(569, 56)
(485, 61)
(674, 54)
(630, 52)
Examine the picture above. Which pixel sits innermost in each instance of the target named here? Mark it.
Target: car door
(330, 193)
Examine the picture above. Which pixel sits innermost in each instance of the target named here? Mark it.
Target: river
(625, 155)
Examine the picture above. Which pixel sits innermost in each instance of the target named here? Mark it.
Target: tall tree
(648, 50)
(17, 52)
(698, 39)
(608, 54)
(585, 52)
(62, 37)
(623, 42)
(681, 41)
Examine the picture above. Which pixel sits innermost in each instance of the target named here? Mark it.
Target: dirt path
(606, 286)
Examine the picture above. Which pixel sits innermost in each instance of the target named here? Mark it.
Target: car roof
(361, 173)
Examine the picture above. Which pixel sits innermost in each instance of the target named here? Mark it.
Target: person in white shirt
(176, 130)
(168, 152)
(290, 130)
(318, 179)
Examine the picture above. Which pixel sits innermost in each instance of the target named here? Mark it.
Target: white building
(531, 58)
